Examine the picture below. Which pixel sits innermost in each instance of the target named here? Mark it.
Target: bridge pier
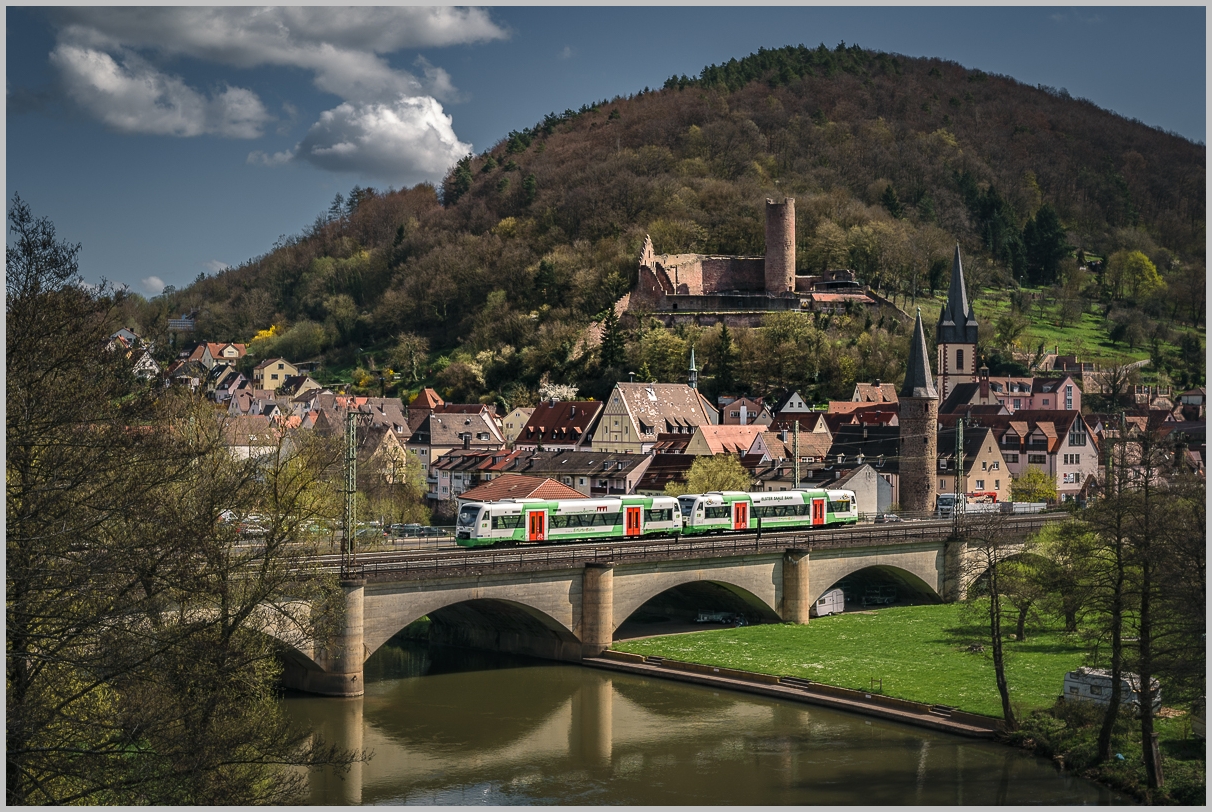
(955, 587)
(797, 597)
(597, 609)
(342, 658)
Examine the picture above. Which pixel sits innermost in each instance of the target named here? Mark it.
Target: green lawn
(920, 652)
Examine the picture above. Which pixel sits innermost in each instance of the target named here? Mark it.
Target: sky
(174, 142)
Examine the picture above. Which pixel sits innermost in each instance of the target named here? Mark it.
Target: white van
(1094, 685)
(831, 603)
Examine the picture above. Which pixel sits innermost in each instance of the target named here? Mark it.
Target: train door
(633, 521)
(818, 511)
(536, 523)
(740, 515)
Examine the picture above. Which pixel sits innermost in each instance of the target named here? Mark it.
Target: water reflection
(457, 727)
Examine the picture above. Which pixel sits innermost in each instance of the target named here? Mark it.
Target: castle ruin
(738, 290)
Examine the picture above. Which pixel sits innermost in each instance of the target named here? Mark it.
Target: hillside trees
(1011, 172)
(137, 670)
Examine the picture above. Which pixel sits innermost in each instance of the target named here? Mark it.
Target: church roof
(919, 380)
(957, 321)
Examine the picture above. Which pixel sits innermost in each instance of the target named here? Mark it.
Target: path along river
(449, 726)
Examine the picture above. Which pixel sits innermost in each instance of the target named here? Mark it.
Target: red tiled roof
(519, 486)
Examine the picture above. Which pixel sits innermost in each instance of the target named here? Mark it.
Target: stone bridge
(567, 602)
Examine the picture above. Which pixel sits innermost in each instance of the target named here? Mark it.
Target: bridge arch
(752, 586)
(920, 571)
(478, 620)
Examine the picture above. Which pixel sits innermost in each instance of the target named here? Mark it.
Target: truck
(1094, 685)
(831, 603)
(946, 502)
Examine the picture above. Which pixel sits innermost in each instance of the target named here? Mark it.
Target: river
(450, 726)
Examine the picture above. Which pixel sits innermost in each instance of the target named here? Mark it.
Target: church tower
(918, 427)
(956, 334)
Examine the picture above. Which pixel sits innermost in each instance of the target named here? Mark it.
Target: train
(541, 521)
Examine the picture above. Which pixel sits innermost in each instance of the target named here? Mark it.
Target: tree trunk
(1117, 652)
(999, 661)
(1020, 630)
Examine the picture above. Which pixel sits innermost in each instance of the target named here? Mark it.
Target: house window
(281, 366)
(1037, 459)
(1018, 403)
(273, 377)
(997, 484)
(984, 465)
(959, 360)
(1045, 401)
(996, 466)
(1077, 437)
(941, 485)
(1012, 458)
(582, 480)
(1069, 398)
(942, 465)
(980, 484)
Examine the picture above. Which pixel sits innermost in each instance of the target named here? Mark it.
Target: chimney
(984, 382)
(467, 440)
(572, 411)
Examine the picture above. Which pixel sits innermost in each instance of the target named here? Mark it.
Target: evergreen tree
(1045, 246)
(891, 202)
(722, 362)
(612, 341)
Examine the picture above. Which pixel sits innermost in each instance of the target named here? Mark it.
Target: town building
(273, 372)
(636, 413)
(559, 425)
(956, 334)
(512, 423)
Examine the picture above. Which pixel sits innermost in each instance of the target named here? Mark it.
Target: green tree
(137, 667)
(719, 472)
(612, 341)
(1033, 486)
(722, 362)
(1131, 273)
(410, 353)
(891, 202)
(1045, 246)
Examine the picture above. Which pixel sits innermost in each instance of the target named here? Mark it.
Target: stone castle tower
(780, 245)
(918, 427)
(956, 334)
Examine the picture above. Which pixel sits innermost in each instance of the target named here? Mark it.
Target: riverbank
(925, 654)
(934, 717)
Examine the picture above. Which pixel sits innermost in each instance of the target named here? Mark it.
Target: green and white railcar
(534, 521)
(724, 511)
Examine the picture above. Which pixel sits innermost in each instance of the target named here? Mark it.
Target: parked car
(887, 518)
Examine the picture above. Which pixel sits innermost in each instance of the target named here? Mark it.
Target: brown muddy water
(451, 726)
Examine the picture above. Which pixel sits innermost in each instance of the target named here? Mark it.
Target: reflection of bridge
(566, 602)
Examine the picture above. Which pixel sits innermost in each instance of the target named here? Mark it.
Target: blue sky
(172, 142)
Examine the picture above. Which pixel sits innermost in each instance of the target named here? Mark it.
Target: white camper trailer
(831, 603)
(1094, 685)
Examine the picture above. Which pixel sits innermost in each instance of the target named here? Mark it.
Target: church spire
(694, 372)
(957, 321)
(919, 380)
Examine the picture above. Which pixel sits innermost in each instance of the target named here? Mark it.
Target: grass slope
(920, 652)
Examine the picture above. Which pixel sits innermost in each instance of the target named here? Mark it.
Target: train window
(721, 512)
(508, 522)
(659, 515)
(556, 520)
(842, 506)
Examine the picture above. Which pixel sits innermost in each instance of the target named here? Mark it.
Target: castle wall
(733, 273)
(780, 246)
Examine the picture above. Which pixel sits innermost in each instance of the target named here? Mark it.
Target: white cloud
(215, 266)
(391, 124)
(153, 285)
(566, 53)
(407, 140)
(265, 159)
(134, 97)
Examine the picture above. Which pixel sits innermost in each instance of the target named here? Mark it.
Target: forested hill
(891, 160)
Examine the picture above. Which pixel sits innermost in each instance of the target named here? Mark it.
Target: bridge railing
(548, 557)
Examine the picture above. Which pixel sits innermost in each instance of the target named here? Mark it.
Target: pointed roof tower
(919, 380)
(957, 321)
(694, 372)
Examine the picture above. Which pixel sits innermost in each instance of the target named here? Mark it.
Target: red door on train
(633, 521)
(740, 515)
(818, 511)
(536, 521)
